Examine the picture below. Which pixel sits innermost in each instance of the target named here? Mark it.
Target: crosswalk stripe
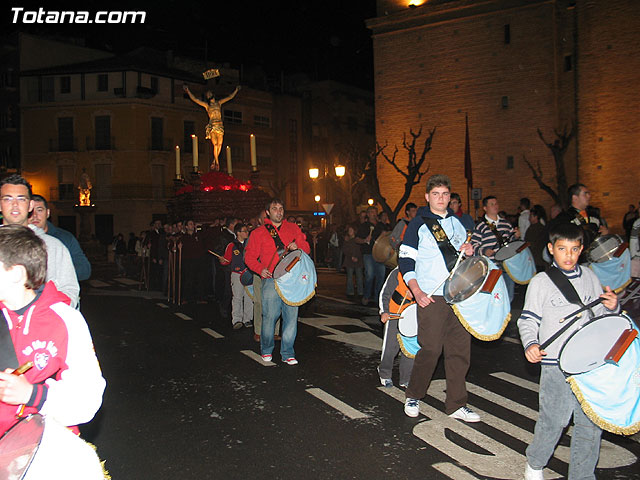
(258, 358)
(162, 305)
(512, 340)
(453, 471)
(339, 405)
(183, 316)
(98, 283)
(213, 333)
(521, 382)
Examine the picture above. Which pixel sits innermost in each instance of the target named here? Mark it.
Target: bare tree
(412, 172)
(558, 149)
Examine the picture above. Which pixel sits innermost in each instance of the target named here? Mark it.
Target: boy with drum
(544, 311)
(39, 326)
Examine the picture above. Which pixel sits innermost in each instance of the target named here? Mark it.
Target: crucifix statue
(215, 129)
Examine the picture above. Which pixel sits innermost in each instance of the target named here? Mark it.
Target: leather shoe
(277, 337)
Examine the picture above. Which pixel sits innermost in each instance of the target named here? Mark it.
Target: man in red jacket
(268, 243)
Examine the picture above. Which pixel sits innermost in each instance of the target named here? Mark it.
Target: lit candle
(177, 161)
(254, 160)
(195, 150)
(229, 171)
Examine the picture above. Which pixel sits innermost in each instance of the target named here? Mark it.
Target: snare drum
(295, 278)
(521, 267)
(35, 448)
(480, 302)
(408, 321)
(510, 250)
(603, 248)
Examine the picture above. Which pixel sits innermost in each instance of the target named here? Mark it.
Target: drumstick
(22, 369)
(214, 253)
(460, 255)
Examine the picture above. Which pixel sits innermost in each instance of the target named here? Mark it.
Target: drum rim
(608, 254)
(416, 309)
(37, 447)
(486, 261)
(584, 325)
(515, 242)
(297, 252)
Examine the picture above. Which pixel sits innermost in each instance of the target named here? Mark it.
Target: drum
(479, 298)
(408, 345)
(614, 273)
(587, 347)
(246, 277)
(295, 278)
(383, 252)
(510, 250)
(603, 248)
(608, 393)
(521, 267)
(408, 321)
(34, 449)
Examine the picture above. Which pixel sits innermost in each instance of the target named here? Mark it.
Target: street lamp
(370, 201)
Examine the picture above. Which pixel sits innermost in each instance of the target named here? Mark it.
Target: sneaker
(267, 358)
(466, 415)
(237, 326)
(531, 474)
(386, 382)
(248, 324)
(404, 385)
(256, 337)
(411, 407)
(290, 361)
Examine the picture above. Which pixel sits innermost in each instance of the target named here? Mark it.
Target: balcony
(98, 144)
(63, 144)
(113, 192)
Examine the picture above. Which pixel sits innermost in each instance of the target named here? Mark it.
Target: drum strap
(495, 231)
(280, 248)
(447, 250)
(8, 358)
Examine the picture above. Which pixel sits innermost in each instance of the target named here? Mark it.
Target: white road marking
(183, 316)
(127, 281)
(333, 299)
(521, 382)
(213, 333)
(162, 305)
(339, 405)
(98, 284)
(453, 471)
(258, 358)
(360, 339)
(512, 340)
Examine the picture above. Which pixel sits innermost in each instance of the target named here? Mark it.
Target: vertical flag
(467, 155)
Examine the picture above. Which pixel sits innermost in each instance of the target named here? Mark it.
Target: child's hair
(19, 245)
(239, 226)
(566, 231)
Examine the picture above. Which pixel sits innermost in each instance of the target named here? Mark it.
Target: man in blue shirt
(40, 217)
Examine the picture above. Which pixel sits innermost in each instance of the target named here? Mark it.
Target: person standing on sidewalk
(262, 255)
(241, 303)
(352, 262)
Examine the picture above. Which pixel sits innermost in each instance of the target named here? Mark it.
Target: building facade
(513, 67)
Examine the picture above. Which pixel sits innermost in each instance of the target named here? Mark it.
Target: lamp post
(314, 173)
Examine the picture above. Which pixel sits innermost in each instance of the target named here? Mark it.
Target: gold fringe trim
(597, 419)
(486, 338)
(105, 472)
(404, 350)
(620, 288)
(506, 269)
(294, 304)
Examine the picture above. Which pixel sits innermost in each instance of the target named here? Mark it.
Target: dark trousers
(440, 331)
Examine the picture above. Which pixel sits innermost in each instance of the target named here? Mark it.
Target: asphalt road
(188, 397)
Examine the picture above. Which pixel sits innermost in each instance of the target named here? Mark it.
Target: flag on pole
(467, 155)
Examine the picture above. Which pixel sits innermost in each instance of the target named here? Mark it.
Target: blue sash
(521, 267)
(614, 273)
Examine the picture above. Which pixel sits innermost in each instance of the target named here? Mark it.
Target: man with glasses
(15, 195)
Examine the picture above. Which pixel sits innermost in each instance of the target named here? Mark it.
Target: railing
(101, 144)
(113, 192)
(67, 145)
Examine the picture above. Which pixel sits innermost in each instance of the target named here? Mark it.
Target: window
(568, 63)
(189, 129)
(103, 132)
(237, 154)
(233, 116)
(507, 34)
(66, 184)
(65, 134)
(156, 133)
(65, 84)
(102, 185)
(510, 162)
(103, 82)
(505, 102)
(157, 181)
(46, 92)
(261, 121)
(154, 84)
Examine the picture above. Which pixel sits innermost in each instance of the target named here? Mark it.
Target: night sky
(326, 39)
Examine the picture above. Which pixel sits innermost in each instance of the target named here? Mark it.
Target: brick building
(513, 66)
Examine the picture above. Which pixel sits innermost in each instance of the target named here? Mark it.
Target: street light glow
(340, 171)
(370, 201)
(314, 173)
(317, 198)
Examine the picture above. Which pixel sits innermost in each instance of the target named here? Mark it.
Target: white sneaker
(466, 415)
(411, 407)
(531, 474)
(267, 358)
(386, 382)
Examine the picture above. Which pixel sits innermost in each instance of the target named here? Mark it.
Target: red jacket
(260, 252)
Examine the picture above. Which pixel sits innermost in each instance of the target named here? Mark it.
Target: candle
(177, 161)
(195, 150)
(229, 171)
(254, 161)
